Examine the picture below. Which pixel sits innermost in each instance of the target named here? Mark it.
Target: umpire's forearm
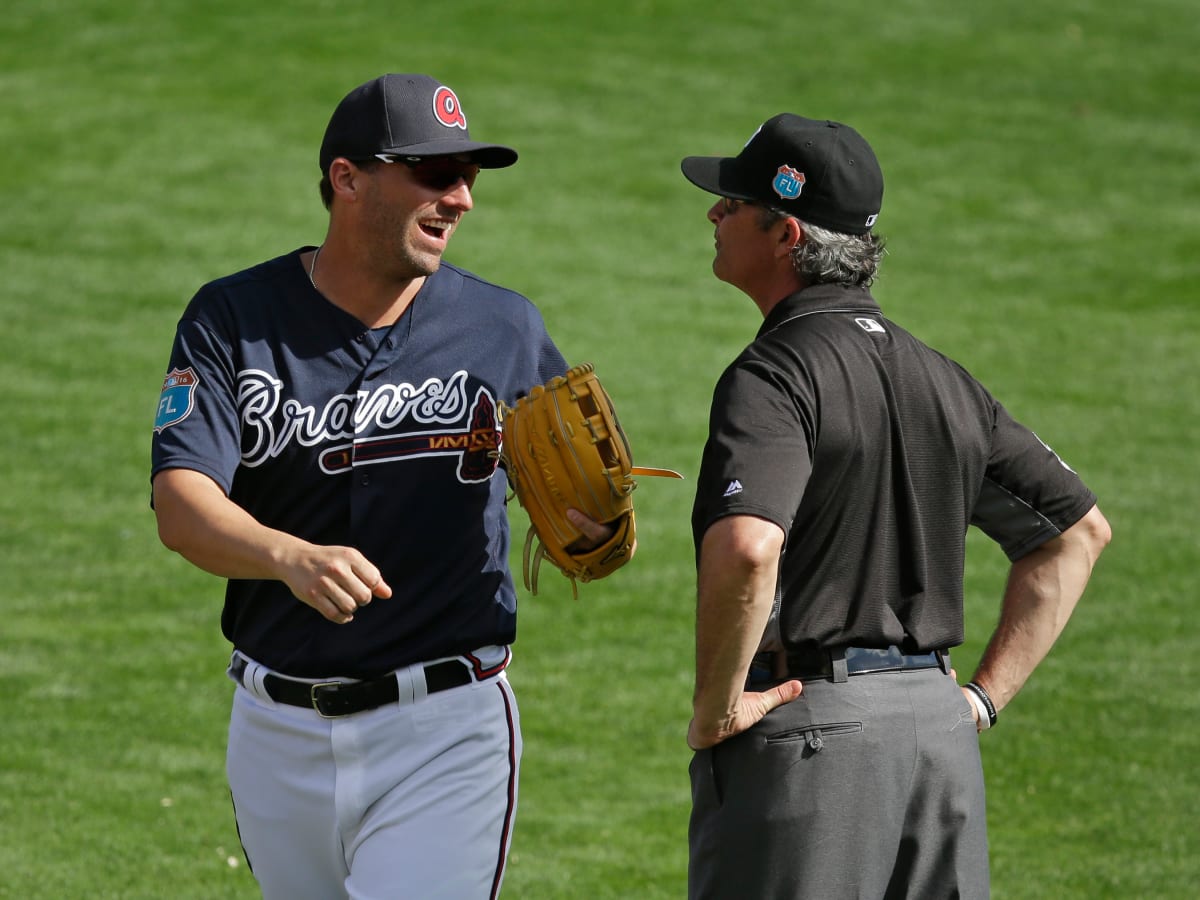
(739, 561)
(1043, 588)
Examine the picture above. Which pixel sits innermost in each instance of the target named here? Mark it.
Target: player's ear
(344, 178)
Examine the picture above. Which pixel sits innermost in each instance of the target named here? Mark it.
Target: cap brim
(486, 156)
(717, 175)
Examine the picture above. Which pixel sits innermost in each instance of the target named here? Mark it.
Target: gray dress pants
(869, 788)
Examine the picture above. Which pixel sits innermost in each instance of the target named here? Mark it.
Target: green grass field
(1043, 217)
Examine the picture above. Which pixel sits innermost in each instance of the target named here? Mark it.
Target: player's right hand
(335, 581)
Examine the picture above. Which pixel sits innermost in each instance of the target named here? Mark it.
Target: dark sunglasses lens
(440, 176)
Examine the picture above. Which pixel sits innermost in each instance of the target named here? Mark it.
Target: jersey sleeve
(518, 326)
(1028, 495)
(550, 361)
(758, 456)
(196, 426)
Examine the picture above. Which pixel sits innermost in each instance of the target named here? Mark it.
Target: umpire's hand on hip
(704, 732)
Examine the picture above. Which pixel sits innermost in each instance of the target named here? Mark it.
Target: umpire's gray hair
(832, 257)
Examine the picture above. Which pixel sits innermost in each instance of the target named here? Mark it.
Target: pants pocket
(815, 735)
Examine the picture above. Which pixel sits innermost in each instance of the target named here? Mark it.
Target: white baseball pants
(411, 800)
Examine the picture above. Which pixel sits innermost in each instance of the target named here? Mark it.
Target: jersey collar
(818, 299)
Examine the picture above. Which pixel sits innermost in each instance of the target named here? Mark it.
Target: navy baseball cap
(408, 115)
(819, 171)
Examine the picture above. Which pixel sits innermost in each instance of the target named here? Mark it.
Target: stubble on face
(406, 227)
(401, 245)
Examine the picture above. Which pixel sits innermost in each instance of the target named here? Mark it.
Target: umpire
(836, 755)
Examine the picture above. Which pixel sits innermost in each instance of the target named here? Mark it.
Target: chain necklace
(312, 267)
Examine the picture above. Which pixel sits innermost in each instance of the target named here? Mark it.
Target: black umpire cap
(819, 171)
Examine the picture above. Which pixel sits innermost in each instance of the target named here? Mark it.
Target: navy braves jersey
(873, 453)
(379, 439)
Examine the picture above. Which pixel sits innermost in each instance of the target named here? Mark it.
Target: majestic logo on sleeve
(788, 182)
(373, 427)
(178, 398)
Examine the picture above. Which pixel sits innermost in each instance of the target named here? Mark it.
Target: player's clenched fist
(335, 581)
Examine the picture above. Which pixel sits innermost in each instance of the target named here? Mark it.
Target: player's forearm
(739, 562)
(197, 521)
(1042, 591)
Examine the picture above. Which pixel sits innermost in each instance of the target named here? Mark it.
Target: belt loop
(838, 660)
(412, 684)
(250, 675)
(943, 658)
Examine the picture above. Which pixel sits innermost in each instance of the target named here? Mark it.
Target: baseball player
(326, 440)
(836, 756)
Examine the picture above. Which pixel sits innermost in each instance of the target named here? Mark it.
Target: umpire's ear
(790, 236)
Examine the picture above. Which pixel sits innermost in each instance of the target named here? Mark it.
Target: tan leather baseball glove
(563, 448)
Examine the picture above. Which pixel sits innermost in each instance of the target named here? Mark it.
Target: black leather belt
(838, 663)
(332, 699)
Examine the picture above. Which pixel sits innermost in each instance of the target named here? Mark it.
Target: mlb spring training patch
(788, 182)
(178, 398)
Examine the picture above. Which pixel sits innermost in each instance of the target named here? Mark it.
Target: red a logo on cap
(447, 109)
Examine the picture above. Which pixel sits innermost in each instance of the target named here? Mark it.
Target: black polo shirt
(873, 452)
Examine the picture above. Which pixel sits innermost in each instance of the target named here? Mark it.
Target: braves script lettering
(268, 426)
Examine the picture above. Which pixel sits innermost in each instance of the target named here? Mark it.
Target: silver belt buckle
(316, 700)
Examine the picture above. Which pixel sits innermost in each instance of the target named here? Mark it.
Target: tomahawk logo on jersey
(476, 445)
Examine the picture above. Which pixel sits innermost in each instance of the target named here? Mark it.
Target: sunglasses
(729, 206)
(438, 173)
